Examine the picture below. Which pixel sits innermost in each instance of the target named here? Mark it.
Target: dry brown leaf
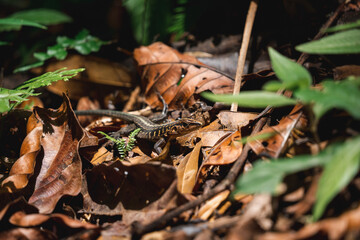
(186, 171)
(225, 152)
(235, 120)
(273, 146)
(58, 133)
(23, 168)
(177, 77)
(187, 140)
(331, 228)
(27, 233)
(60, 172)
(101, 75)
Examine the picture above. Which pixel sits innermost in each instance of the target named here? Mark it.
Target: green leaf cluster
(121, 145)
(83, 43)
(9, 98)
(341, 161)
(35, 18)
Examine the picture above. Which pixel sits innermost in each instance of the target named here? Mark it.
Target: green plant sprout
(121, 145)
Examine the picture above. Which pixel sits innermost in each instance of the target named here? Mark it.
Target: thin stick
(243, 49)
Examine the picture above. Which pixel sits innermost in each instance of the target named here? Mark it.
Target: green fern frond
(122, 147)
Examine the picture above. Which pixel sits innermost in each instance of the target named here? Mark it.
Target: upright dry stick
(243, 49)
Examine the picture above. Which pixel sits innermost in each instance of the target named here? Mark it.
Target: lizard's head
(184, 126)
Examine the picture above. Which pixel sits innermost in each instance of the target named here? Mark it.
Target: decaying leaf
(57, 133)
(235, 120)
(23, 168)
(177, 77)
(226, 151)
(273, 146)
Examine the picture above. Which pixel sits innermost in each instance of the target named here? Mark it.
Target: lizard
(149, 129)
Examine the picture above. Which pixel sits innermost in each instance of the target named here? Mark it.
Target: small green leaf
(65, 41)
(339, 171)
(291, 74)
(41, 56)
(17, 23)
(342, 27)
(343, 95)
(339, 43)
(266, 176)
(43, 16)
(57, 51)
(256, 99)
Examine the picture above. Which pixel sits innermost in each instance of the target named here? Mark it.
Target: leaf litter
(68, 183)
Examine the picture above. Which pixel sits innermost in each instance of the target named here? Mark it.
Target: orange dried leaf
(177, 77)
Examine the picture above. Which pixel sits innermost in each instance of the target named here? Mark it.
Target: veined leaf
(292, 75)
(256, 99)
(8, 24)
(343, 95)
(43, 16)
(338, 172)
(338, 43)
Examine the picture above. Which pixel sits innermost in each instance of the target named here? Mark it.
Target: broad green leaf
(266, 176)
(43, 16)
(256, 99)
(149, 19)
(338, 43)
(343, 95)
(338, 172)
(292, 75)
(8, 24)
(344, 26)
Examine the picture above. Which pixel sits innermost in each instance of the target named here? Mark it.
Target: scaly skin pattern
(149, 129)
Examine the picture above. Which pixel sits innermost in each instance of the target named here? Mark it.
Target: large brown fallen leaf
(57, 133)
(177, 77)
